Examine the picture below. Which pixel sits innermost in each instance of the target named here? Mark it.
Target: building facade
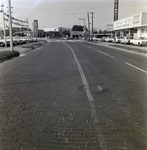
(57, 32)
(76, 34)
(131, 26)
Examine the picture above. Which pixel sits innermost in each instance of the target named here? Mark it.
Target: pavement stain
(94, 89)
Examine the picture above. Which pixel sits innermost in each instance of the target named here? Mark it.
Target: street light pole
(92, 26)
(10, 26)
(4, 25)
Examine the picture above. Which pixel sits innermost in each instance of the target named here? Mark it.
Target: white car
(34, 39)
(23, 40)
(96, 39)
(117, 39)
(109, 39)
(8, 41)
(140, 41)
(2, 42)
(16, 40)
(125, 40)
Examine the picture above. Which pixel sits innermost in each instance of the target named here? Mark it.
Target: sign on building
(136, 20)
(109, 27)
(35, 27)
(116, 10)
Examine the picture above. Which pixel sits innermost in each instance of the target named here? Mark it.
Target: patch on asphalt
(95, 89)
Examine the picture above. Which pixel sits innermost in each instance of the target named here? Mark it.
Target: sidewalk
(25, 47)
(6, 53)
(19, 48)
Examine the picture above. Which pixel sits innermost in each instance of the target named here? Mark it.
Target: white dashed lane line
(136, 67)
(115, 58)
(101, 52)
(105, 54)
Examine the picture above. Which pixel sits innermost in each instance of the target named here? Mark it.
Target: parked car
(140, 41)
(16, 40)
(117, 39)
(23, 40)
(13, 41)
(125, 40)
(28, 39)
(96, 39)
(2, 42)
(34, 39)
(109, 39)
(103, 39)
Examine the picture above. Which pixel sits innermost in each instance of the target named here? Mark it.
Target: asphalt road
(71, 95)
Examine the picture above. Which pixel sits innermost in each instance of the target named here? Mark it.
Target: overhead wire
(83, 7)
(97, 9)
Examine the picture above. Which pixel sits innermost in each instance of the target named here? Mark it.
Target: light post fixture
(10, 26)
(2, 10)
(84, 29)
(92, 27)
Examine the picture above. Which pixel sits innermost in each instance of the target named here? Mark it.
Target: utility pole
(4, 24)
(10, 26)
(92, 27)
(28, 27)
(88, 25)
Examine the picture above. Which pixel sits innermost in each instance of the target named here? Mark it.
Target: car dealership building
(131, 26)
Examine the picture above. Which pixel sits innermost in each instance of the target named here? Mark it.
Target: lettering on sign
(109, 27)
(129, 20)
(136, 19)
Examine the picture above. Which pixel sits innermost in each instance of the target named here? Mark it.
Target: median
(5, 55)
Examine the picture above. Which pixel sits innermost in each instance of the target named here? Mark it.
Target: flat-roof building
(131, 26)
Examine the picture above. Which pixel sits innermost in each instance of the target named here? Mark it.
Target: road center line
(89, 95)
(136, 67)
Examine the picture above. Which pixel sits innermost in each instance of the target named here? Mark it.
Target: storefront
(132, 26)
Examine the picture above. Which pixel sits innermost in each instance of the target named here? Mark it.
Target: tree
(77, 28)
(106, 32)
(95, 32)
(66, 33)
(100, 31)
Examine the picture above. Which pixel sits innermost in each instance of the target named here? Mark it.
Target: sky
(66, 13)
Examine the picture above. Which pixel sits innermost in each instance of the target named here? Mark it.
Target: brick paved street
(44, 106)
